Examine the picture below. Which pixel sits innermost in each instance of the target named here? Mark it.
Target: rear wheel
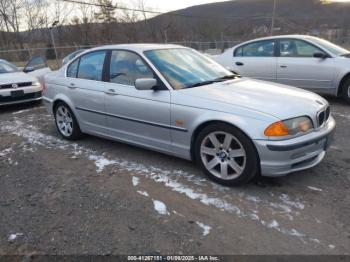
(345, 90)
(66, 122)
(226, 155)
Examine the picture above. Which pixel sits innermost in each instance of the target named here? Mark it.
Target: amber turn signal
(277, 129)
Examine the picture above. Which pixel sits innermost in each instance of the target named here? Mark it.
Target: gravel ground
(95, 196)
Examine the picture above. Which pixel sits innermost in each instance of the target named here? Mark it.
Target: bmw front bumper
(278, 158)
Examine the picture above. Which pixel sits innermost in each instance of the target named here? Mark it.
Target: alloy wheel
(223, 155)
(64, 121)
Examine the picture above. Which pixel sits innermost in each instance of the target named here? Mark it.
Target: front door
(136, 116)
(297, 66)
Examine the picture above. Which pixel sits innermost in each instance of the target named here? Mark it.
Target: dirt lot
(101, 197)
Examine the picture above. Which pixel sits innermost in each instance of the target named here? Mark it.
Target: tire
(66, 122)
(228, 163)
(345, 90)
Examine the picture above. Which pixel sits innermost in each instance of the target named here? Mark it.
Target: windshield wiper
(227, 77)
(201, 83)
(216, 80)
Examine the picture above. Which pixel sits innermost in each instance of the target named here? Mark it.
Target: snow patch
(206, 229)
(331, 246)
(12, 237)
(286, 200)
(101, 162)
(341, 115)
(21, 111)
(135, 181)
(273, 224)
(315, 240)
(314, 188)
(6, 152)
(143, 193)
(160, 207)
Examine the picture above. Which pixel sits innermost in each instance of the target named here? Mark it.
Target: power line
(167, 13)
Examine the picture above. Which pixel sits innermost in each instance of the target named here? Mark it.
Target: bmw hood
(280, 101)
(16, 77)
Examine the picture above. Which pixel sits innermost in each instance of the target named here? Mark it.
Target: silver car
(18, 86)
(174, 100)
(297, 60)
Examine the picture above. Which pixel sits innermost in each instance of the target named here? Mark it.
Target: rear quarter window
(238, 52)
(72, 70)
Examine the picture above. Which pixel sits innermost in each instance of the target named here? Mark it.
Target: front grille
(323, 116)
(8, 86)
(6, 99)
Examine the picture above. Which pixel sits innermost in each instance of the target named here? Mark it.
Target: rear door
(86, 90)
(256, 60)
(297, 66)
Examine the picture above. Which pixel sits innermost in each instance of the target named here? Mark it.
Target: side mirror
(28, 69)
(145, 83)
(320, 55)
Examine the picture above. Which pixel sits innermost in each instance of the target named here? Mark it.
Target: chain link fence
(21, 56)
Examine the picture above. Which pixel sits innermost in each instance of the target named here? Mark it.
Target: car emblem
(14, 85)
(319, 102)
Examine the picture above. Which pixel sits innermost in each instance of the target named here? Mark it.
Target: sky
(166, 5)
(170, 5)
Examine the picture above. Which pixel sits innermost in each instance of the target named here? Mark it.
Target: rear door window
(91, 66)
(257, 49)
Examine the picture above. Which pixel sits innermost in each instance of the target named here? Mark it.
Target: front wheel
(226, 155)
(345, 90)
(66, 123)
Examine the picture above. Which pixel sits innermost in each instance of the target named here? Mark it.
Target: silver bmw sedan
(174, 100)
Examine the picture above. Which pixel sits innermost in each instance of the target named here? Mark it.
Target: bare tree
(35, 16)
(129, 20)
(150, 26)
(10, 11)
(87, 18)
(106, 16)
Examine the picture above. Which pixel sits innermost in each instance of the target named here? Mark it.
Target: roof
(280, 36)
(138, 47)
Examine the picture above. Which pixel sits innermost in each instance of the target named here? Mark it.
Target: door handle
(72, 86)
(111, 92)
(239, 63)
(283, 66)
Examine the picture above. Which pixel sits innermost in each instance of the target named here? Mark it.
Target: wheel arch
(340, 86)
(204, 124)
(64, 99)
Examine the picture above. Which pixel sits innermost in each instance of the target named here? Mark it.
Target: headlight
(36, 83)
(290, 127)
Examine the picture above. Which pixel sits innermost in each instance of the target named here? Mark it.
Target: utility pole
(53, 40)
(273, 16)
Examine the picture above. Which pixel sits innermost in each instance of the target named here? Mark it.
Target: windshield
(6, 67)
(334, 49)
(184, 68)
